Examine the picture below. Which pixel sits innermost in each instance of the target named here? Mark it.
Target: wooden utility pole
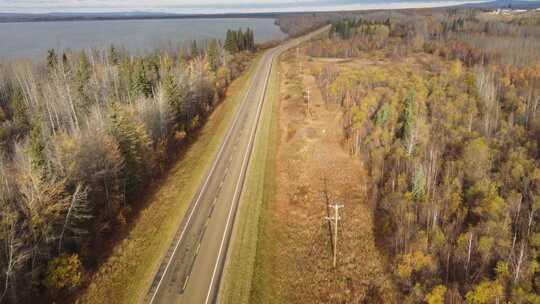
(300, 65)
(334, 220)
(308, 97)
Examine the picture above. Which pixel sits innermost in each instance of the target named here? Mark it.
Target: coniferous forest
(239, 40)
(81, 135)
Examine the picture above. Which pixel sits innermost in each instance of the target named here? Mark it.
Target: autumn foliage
(81, 136)
(449, 130)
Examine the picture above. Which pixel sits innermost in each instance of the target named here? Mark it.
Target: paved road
(192, 268)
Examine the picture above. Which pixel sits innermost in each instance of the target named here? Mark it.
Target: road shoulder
(126, 275)
(258, 191)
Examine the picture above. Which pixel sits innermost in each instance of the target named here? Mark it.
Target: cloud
(209, 6)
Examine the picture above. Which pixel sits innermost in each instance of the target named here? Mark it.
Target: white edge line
(203, 188)
(240, 180)
(296, 41)
(281, 48)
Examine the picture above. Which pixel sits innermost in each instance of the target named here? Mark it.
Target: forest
(442, 110)
(81, 135)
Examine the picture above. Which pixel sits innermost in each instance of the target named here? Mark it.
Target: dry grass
(293, 262)
(126, 275)
(258, 191)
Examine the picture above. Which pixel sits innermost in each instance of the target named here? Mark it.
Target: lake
(33, 39)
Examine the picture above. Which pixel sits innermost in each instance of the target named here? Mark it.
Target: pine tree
(83, 76)
(83, 73)
(407, 117)
(52, 59)
(194, 49)
(212, 54)
(241, 40)
(231, 42)
(18, 109)
(250, 42)
(235, 41)
(408, 123)
(228, 42)
(114, 57)
(37, 148)
(65, 62)
(181, 58)
(134, 145)
(140, 84)
(251, 39)
(173, 96)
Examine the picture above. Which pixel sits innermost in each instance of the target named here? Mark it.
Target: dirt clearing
(295, 252)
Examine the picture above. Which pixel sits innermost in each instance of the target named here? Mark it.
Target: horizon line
(243, 9)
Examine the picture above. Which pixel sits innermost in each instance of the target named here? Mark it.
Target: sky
(211, 6)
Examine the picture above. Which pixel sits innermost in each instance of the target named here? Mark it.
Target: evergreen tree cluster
(238, 41)
(453, 25)
(348, 28)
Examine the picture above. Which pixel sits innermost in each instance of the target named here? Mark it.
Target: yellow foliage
(63, 272)
(486, 292)
(436, 296)
(502, 270)
(456, 69)
(180, 135)
(404, 271)
(416, 261)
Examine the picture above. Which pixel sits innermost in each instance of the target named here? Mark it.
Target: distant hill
(505, 4)
(72, 16)
(68, 16)
(21, 17)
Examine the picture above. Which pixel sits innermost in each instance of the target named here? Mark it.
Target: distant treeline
(348, 28)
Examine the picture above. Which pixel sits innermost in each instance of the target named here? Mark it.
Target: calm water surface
(33, 39)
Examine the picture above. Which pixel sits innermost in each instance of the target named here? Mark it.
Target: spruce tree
(407, 116)
(241, 40)
(194, 49)
(114, 57)
(235, 41)
(83, 74)
(52, 59)
(65, 62)
(141, 85)
(251, 39)
(37, 148)
(230, 42)
(18, 109)
(212, 54)
(181, 58)
(134, 145)
(173, 96)
(83, 71)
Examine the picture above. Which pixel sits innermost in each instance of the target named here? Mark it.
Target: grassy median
(258, 191)
(129, 271)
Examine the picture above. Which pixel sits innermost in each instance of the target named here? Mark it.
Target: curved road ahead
(191, 270)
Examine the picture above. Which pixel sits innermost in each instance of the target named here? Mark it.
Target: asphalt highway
(192, 267)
